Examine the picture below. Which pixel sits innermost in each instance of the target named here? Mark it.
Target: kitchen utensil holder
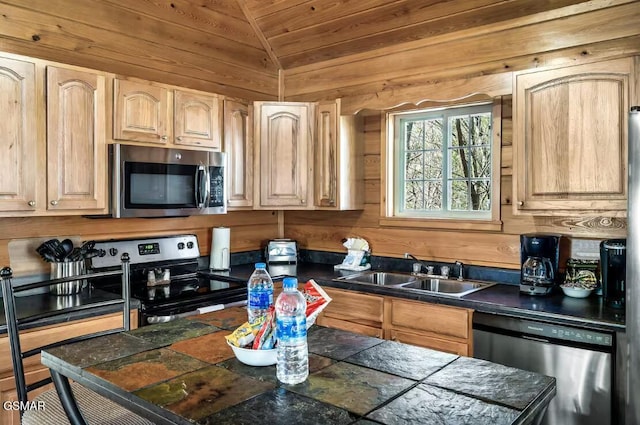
(67, 269)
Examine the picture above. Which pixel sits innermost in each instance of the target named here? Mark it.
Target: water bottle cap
(261, 266)
(290, 282)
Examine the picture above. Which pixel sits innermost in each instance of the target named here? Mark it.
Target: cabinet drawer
(450, 321)
(349, 305)
(344, 325)
(433, 343)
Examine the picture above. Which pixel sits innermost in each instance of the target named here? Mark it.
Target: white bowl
(255, 357)
(576, 292)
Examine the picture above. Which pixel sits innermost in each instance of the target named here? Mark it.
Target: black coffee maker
(613, 266)
(539, 259)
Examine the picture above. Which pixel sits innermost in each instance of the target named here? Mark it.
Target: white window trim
(389, 218)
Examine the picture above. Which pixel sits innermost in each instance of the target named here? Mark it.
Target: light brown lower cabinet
(34, 370)
(439, 327)
(353, 311)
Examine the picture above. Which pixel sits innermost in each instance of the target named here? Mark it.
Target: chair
(93, 408)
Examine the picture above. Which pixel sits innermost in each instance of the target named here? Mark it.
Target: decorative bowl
(576, 292)
(254, 357)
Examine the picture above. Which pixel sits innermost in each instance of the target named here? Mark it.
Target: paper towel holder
(220, 249)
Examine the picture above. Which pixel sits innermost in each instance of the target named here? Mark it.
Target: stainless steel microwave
(160, 182)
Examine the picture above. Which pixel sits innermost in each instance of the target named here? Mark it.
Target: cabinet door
(443, 321)
(76, 146)
(19, 141)
(326, 158)
(570, 140)
(238, 145)
(141, 112)
(284, 170)
(197, 119)
(363, 311)
(431, 342)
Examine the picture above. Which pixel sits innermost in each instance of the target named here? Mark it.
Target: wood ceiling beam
(259, 34)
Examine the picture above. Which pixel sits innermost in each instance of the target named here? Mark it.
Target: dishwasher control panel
(542, 330)
(567, 334)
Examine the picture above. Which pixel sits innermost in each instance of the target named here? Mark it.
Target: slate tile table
(183, 372)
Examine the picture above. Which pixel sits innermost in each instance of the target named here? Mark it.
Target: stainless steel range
(165, 278)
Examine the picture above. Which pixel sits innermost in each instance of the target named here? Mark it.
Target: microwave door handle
(207, 188)
(198, 186)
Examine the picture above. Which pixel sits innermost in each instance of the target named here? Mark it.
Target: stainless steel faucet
(460, 270)
(423, 265)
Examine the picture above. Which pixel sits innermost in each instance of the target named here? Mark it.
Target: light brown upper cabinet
(152, 113)
(238, 145)
(19, 141)
(284, 155)
(339, 160)
(76, 145)
(58, 165)
(570, 139)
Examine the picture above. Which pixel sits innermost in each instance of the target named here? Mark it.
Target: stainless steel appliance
(539, 259)
(165, 277)
(581, 361)
(631, 359)
(613, 261)
(282, 251)
(159, 182)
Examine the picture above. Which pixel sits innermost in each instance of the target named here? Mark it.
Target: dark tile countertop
(184, 372)
(503, 299)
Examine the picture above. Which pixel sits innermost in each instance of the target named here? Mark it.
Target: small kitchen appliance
(539, 259)
(282, 251)
(165, 277)
(613, 266)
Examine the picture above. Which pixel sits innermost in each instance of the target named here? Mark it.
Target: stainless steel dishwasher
(580, 360)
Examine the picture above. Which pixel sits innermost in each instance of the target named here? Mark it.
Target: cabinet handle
(54, 202)
(32, 203)
(179, 138)
(164, 138)
(332, 202)
(520, 203)
(302, 201)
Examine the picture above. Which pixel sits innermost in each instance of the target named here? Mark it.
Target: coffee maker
(613, 266)
(539, 259)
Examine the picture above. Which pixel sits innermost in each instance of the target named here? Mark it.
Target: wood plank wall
(324, 230)
(250, 230)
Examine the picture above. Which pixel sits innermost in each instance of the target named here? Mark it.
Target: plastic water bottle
(291, 331)
(259, 292)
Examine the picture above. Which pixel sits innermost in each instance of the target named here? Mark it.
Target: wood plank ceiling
(248, 47)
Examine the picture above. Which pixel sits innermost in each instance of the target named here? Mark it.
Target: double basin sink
(427, 283)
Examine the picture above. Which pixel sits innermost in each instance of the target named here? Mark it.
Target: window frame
(390, 176)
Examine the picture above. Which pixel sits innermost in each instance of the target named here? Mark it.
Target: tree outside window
(444, 163)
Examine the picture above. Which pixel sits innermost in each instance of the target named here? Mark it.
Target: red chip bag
(317, 299)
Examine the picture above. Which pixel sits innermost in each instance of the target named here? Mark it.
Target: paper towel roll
(220, 248)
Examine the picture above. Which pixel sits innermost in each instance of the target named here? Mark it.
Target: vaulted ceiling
(248, 48)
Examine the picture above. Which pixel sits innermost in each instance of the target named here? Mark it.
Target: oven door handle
(202, 310)
(162, 319)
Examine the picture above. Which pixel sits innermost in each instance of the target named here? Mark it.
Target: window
(442, 164)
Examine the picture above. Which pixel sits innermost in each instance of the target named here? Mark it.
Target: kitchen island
(183, 372)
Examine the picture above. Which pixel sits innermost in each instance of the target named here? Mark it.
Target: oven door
(187, 297)
(159, 182)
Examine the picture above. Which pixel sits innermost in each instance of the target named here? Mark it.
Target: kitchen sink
(381, 278)
(437, 285)
(457, 288)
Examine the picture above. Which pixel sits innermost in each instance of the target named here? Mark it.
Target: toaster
(282, 251)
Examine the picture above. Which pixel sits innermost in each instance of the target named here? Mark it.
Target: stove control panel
(181, 247)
